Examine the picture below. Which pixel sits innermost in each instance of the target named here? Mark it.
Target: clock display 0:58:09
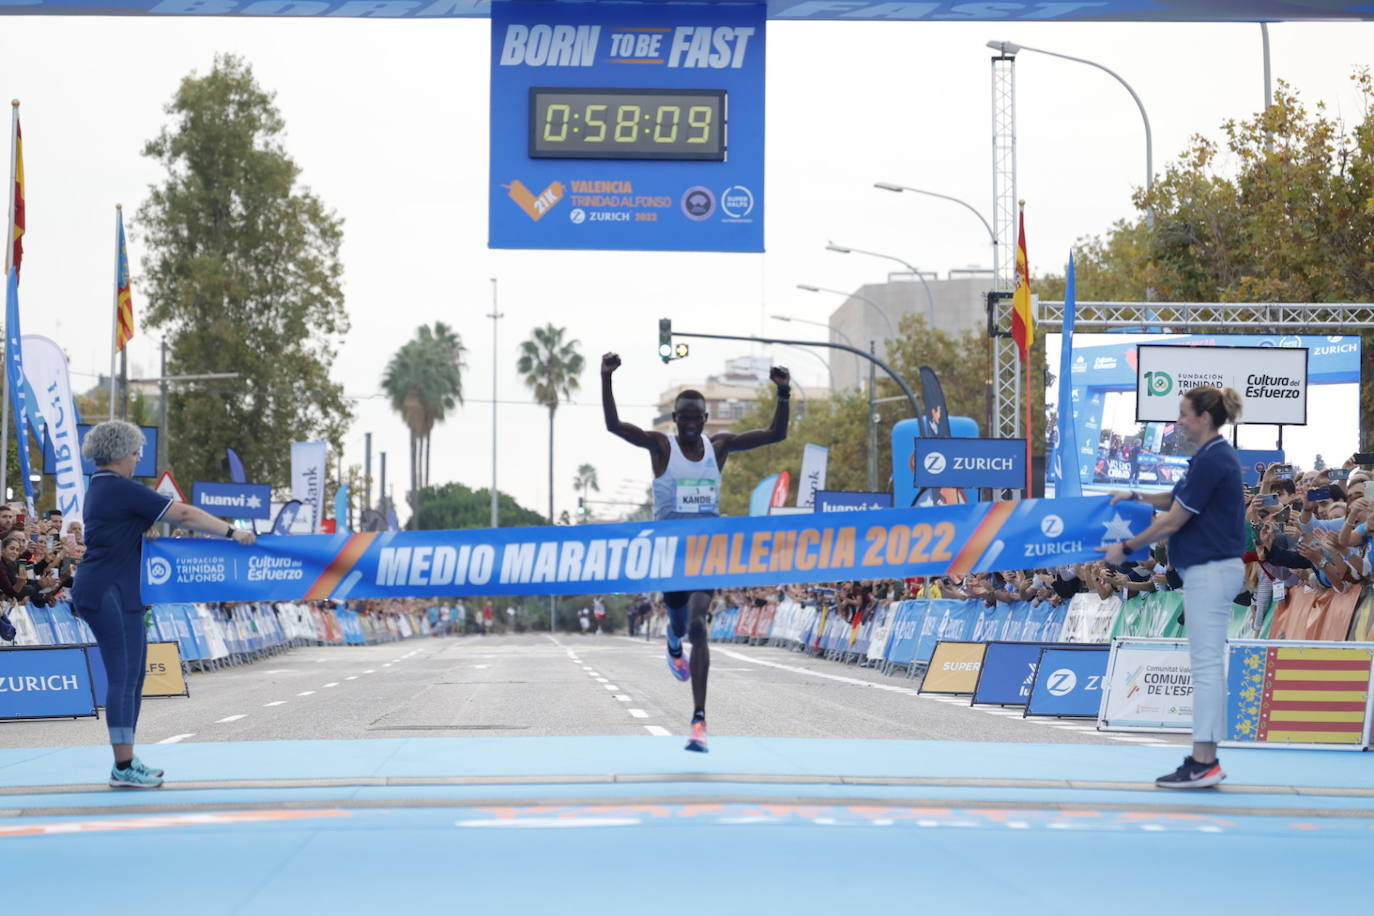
(573, 123)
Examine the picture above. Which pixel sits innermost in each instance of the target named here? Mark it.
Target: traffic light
(665, 339)
(680, 351)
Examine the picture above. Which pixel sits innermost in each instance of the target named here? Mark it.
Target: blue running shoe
(696, 739)
(133, 777)
(140, 765)
(678, 665)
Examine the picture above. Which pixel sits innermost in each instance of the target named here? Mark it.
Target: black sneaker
(1192, 775)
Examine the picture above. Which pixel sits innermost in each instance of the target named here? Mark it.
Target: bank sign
(627, 127)
(970, 463)
(1271, 381)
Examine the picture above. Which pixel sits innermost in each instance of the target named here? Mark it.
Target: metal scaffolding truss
(1004, 169)
(1171, 317)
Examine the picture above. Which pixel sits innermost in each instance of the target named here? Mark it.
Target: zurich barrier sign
(970, 463)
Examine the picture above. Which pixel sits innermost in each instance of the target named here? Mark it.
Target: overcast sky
(388, 121)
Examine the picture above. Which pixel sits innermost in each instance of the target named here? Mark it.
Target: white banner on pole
(815, 458)
(45, 367)
(1272, 381)
(1148, 687)
(308, 465)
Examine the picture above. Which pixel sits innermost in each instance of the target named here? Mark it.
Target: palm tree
(424, 380)
(551, 367)
(585, 481)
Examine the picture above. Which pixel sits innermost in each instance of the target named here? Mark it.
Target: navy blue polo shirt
(116, 514)
(1211, 491)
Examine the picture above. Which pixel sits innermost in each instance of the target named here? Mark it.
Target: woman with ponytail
(1204, 520)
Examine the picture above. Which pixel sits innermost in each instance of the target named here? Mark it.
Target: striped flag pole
(114, 305)
(10, 244)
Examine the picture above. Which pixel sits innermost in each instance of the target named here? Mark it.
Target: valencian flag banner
(124, 302)
(1298, 694)
(675, 555)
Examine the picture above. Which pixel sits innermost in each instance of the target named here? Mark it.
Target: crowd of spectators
(39, 556)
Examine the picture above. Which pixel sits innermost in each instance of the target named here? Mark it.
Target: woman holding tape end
(1205, 525)
(118, 511)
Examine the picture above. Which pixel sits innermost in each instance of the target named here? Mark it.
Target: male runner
(687, 470)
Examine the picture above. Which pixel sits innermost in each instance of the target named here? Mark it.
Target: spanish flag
(17, 253)
(124, 302)
(1022, 321)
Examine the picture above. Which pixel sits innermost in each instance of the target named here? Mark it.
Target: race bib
(696, 495)
(1280, 590)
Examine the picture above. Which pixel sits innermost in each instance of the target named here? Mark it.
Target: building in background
(729, 395)
(956, 304)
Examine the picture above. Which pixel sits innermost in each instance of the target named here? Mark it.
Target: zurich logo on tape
(935, 463)
(1051, 526)
(159, 570)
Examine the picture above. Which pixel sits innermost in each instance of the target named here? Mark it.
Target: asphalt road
(541, 685)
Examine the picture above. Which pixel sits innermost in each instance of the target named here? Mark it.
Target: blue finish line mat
(611, 825)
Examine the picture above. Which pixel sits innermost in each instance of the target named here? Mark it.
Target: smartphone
(1269, 500)
(1318, 494)
(52, 541)
(20, 520)
(71, 540)
(36, 538)
(1338, 474)
(1364, 459)
(1283, 470)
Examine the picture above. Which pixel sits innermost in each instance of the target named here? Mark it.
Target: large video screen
(1116, 452)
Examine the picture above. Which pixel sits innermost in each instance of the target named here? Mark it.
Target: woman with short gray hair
(118, 511)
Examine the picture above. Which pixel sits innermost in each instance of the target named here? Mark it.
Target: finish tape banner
(676, 555)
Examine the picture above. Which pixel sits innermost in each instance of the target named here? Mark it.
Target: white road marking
(351, 677)
(281, 671)
(275, 703)
(481, 666)
(658, 731)
(370, 671)
(176, 738)
(622, 698)
(638, 713)
(232, 718)
(610, 686)
(305, 693)
(387, 664)
(602, 680)
(1133, 738)
(593, 673)
(332, 684)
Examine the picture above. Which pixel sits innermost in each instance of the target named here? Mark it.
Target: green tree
(1280, 208)
(453, 505)
(586, 482)
(551, 366)
(243, 273)
(424, 381)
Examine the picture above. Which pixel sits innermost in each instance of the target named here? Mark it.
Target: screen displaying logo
(1159, 384)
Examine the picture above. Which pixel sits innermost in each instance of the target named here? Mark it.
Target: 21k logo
(535, 206)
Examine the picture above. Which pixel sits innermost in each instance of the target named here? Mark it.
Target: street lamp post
(899, 188)
(891, 331)
(930, 299)
(495, 316)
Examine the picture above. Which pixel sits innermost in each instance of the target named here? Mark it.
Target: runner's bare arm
(627, 431)
(755, 438)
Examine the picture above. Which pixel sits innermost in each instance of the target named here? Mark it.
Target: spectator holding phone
(106, 593)
(1204, 519)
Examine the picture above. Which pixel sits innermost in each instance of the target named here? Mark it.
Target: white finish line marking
(638, 713)
(275, 703)
(232, 718)
(905, 691)
(658, 731)
(175, 738)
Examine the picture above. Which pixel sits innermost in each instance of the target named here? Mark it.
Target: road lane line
(332, 684)
(351, 677)
(638, 713)
(370, 671)
(622, 698)
(658, 731)
(275, 703)
(176, 738)
(305, 693)
(232, 718)
(610, 686)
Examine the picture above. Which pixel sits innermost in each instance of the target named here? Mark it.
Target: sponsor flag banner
(1149, 686)
(935, 423)
(814, 461)
(233, 500)
(308, 476)
(762, 495)
(236, 472)
(1065, 465)
(19, 395)
(1298, 694)
(627, 127)
(45, 367)
(675, 555)
(1068, 682)
(954, 667)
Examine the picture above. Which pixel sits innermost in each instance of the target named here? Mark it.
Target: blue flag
(762, 495)
(1066, 459)
(14, 367)
(236, 472)
(286, 517)
(341, 509)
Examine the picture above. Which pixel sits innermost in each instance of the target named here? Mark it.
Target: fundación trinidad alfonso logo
(535, 205)
(1158, 384)
(159, 571)
(934, 463)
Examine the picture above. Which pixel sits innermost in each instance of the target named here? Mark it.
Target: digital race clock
(574, 123)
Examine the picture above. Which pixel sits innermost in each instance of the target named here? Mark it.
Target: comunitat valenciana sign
(1272, 381)
(627, 127)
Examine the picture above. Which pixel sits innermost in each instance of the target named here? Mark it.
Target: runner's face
(690, 417)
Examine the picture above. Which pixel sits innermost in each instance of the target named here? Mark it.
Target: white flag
(307, 478)
(815, 458)
(46, 369)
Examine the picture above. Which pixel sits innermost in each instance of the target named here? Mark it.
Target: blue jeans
(1208, 591)
(123, 642)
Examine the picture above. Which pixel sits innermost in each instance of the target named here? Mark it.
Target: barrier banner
(164, 677)
(1298, 694)
(677, 555)
(1068, 682)
(954, 667)
(1089, 618)
(43, 682)
(1007, 673)
(1149, 687)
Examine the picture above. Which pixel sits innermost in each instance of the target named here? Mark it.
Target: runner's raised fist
(780, 376)
(609, 363)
